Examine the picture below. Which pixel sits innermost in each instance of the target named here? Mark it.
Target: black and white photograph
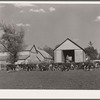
(49, 46)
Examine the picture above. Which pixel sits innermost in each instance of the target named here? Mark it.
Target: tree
(13, 40)
(91, 52)
(49, 50)
(98, 57)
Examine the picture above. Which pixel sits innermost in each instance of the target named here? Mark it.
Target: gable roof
(70, 41)
(35, 49)
(34, 58)
(38, 58)
(43, 53)
(23, 57)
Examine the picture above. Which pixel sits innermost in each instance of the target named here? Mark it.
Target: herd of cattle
(87, 66)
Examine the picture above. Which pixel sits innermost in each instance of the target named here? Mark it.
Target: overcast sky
(48, 24)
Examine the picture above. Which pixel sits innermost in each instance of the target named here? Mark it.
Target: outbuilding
(69, 50)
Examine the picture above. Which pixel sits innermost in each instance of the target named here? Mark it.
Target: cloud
(51, 9)
(23, 25)
(97, 19)
(42, 10)
(21, 11)
(20, 24)
(27, 24)
(37, 10)
(31, 10)
(20, 5)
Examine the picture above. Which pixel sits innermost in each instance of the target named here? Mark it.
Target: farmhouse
(69, 50)
(30, 55)
(38, 55)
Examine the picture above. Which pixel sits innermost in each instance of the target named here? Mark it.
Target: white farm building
(38, 55)
(69, 49)
(30, 55)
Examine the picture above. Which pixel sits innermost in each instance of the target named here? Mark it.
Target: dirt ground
(75, 79)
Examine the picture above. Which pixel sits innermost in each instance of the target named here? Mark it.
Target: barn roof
(70, 41)
(44, 54)
(23, 57)
(34, 58)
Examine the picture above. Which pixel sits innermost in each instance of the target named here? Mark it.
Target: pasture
(74, 79)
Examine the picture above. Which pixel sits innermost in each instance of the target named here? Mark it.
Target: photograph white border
(49, 94)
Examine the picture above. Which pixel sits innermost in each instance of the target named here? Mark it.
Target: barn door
(79, 56)
(58, 56)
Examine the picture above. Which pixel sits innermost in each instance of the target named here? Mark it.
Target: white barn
(70, 49)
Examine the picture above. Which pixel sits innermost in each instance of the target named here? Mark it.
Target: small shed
(69, 49)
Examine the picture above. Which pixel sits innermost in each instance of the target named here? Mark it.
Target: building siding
(58, 56)
(79, 56)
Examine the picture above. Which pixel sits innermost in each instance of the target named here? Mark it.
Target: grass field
(75, 79)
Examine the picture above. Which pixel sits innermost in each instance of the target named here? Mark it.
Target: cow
(11, 67)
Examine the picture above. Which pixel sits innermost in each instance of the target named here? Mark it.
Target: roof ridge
(36, 49)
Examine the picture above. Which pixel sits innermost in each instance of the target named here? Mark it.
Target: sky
(51, 24)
